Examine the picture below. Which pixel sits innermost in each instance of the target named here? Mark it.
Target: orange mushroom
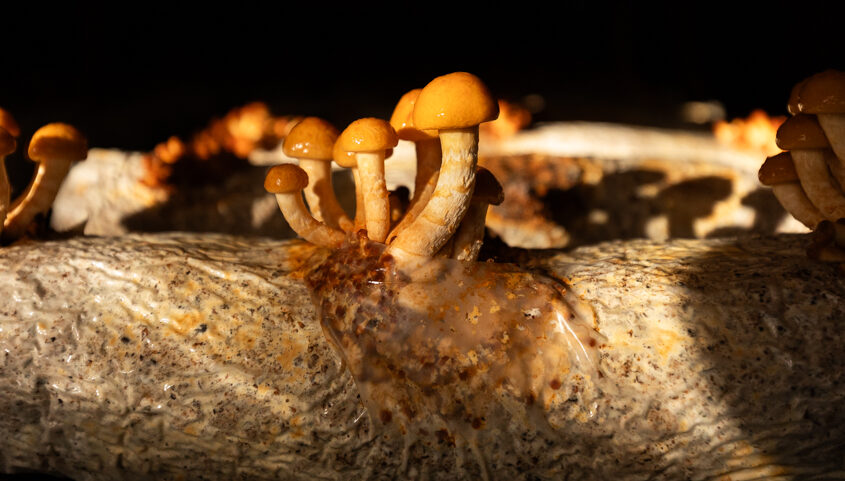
(55, 147)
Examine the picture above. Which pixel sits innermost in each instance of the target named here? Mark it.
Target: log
(177, 356)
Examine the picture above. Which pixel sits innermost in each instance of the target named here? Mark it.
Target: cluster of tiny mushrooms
(445, 217)
(55, 147)
(808, 178)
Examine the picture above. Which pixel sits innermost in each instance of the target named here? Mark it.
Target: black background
(131, 74)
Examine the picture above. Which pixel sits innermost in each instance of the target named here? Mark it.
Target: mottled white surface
(184, 357)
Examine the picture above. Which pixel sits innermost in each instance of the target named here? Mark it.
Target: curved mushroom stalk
(8, 144)
(320, 194)
(287, 181)
(55, 147)
(834, 128)
(818, 184)
(444, 211)
(466, 244)
(429, 159)
(793, 199)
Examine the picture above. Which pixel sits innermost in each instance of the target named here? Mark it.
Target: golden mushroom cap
(822, 93)
(778, 169)
(311, 138)
(402, 119)
(285, 178)
(368, 135)
(454, 101)
(57, 141)
(801, 131)
(8, 123)
(8, 144)
(343, 158)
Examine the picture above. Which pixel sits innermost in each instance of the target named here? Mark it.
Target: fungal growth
(55, 147)
(436, 341)
(808, 178)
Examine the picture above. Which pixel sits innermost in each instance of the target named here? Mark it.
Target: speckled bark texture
(183, 357)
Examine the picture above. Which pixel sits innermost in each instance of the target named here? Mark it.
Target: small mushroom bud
(779, 172)
(311, 141)
(287, 181)
(8, 144)
(454, 105)
(55, 147)
(370, 139)
(470, 235)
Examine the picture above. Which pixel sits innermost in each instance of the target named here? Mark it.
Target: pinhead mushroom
(427, 146)
(369, 139)
(287, 181)
(470, 235)
(55, 147)
(8, 144)
(454, 105)
(779, 172)
(311, 141)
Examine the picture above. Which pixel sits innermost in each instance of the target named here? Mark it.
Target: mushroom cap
(311, 138)
(285, 178)
(487, 188)
(801, 131)
(57, 141)
(794, 94)
(454, 101)
(402, 119)
(343, 158)
(8, 123)
(8, 144)
(368, 135)
(823, 93)
(778, 169)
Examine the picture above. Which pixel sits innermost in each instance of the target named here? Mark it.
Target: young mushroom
(311, 142)
(287, 181)
(454, 105)
(470, 235)
(370, 139)
(429, 155)
(779, 172)
(8, 144)
(808, 146)
(55, 147)
(823, 95)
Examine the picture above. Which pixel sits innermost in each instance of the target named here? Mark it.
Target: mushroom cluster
(445, 217)
(55, 147)
(808, 179)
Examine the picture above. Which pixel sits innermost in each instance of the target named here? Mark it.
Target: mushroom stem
(301, 221)
(429, 157)
(793, 199)
(37, 198)
(818, 183)
(834, 129)
(371, 172)
(360, 221)
(320, 194)
(449, 201)
(5, 192)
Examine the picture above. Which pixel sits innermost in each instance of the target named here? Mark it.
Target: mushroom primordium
(311, 142)
(55, 147)
(428, 156)
(287, 181)
(370, 139)
(454, 105)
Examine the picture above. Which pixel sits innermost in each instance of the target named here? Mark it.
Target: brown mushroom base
(176, 356)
